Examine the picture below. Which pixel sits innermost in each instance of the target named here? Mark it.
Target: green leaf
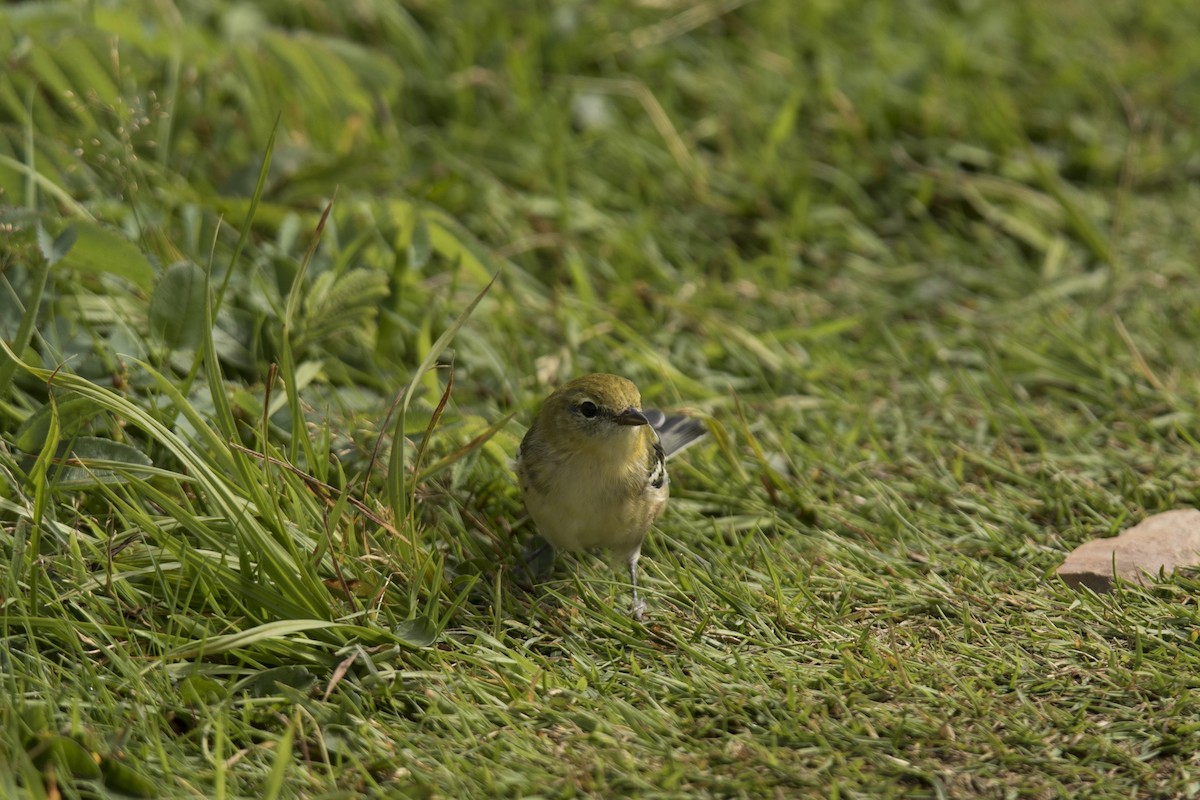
(201, 690)
(36, 720)
(416, 632)
(68, 754)
(177, 306)
(73, 414)
(121, 778)
(93, 456)
(101, 250)
(341, 303)
(268, 682)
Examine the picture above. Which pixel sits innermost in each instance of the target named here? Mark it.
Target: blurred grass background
(928, 268)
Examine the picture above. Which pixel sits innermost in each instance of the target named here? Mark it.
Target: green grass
(929, 269)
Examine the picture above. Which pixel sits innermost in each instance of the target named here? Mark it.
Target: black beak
(631, 416)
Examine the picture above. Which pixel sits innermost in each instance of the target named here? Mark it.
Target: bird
(592, 469)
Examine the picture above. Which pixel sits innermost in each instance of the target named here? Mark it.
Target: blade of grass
(397, 485)
(299, 438)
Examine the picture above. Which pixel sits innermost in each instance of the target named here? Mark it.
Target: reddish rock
(1164, 542)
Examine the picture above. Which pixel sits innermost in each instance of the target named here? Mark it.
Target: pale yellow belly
(582, 512)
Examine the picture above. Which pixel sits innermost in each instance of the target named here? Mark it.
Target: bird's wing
(674, 432)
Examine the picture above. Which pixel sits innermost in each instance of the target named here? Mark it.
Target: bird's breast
(581, 503)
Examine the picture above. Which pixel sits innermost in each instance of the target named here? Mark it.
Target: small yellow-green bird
(592, 469)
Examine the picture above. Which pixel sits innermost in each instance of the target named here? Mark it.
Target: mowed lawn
(282, 285)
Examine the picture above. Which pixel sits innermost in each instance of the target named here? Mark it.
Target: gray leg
(639, 605)
(538, 558)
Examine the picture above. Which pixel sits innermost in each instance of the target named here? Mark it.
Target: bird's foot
(638, 612)
(538, 558)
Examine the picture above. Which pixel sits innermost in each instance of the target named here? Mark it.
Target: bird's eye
(588, 409)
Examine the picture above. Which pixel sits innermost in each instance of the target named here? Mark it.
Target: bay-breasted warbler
(592, 468)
